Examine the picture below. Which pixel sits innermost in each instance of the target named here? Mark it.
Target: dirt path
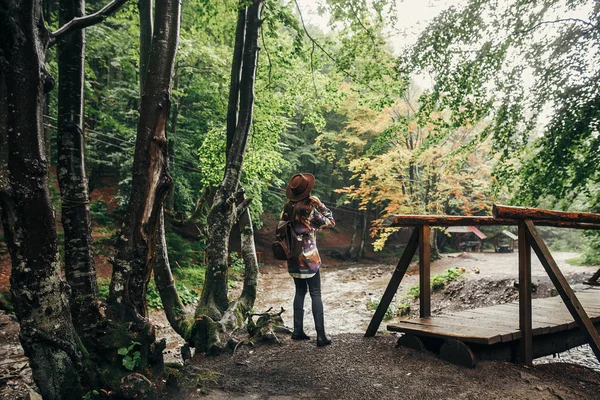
(360, 368)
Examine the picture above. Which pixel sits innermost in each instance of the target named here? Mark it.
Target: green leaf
(123, 351)
(129, 363)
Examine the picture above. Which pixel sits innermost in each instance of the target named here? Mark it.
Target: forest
(144, 147)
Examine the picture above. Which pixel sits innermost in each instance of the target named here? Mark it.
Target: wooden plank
(392, 287)
(528, 213)
(563, 288)
(492, 328)
(525, 320)
(508, 317)
(465, 333)
(443, 220)
(424, 271)
(505, 322)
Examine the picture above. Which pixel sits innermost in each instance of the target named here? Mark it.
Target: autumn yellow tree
(405, 160)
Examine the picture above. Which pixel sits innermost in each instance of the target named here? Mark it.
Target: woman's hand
(315, 201)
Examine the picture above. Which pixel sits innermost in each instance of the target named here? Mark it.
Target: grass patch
(394, 310)
(439, 281)
(584, 260)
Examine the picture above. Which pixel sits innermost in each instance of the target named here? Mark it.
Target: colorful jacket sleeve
(321, 217)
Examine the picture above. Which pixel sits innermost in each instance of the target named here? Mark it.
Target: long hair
(299, 211)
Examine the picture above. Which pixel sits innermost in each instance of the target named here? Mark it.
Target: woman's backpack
(287, 243)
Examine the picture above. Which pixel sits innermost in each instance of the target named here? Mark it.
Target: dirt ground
(354, 367)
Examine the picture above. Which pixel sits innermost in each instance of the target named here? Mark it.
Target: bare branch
(86, 20)
(575, 20)
(332, 58)
(371, 36)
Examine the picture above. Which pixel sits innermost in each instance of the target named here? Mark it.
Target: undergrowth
(439, 281)
(400, 309)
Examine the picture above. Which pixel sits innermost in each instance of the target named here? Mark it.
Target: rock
(31, 395)
(528, 377)
(135, 386)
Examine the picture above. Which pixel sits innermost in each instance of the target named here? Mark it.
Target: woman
(308, 215)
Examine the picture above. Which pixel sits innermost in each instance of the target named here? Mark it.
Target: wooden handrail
(396, 221)
(535, 214)
(443, 220)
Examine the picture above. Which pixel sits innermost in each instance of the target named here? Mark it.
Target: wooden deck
(500, 323)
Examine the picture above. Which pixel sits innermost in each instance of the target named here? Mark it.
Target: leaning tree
(63, 365)
(215, 313)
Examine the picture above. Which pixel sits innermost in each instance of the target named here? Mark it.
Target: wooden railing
(526, 219)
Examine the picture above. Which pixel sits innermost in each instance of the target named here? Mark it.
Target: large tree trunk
(224, 213)
(79, 262)
(136, 249)
(41, 305)
(178, 318)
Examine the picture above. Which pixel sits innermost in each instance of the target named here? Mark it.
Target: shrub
(99, 212)
(439, 281)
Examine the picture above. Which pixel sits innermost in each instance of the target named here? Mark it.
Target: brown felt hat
(300, 187)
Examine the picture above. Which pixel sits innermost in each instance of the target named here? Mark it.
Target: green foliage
(565, 240)
(183, 253)
(6, 303)
(103, 288)
(99, 212)
(414, 291)
(395, 309)
(236, 268)
(90, 395)
(529, 70)
(153, 296)
(131, 357)
(439, 281)
(591, 251)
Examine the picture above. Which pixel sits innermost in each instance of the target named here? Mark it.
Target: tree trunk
(145, 10)
(39, 293)
(224, 213)
(236, 313)
(181, 322)
(364, 234)
(136, 248)
(352, 253)
(236, 74)
(79, 262)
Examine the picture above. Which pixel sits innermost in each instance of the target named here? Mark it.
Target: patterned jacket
(309, 261)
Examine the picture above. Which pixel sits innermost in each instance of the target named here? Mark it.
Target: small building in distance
(467, 238)
(504, 242)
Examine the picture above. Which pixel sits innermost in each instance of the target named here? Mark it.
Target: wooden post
(563, 288)
(392, 288)
(594, 279)
(424, 271)
(525, 324)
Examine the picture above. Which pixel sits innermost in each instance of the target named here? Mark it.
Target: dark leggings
(314, 286)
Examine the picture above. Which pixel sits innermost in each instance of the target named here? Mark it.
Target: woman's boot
(298, 333)
(322, 338)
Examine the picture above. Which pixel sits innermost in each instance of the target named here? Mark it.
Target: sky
(413, 17)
